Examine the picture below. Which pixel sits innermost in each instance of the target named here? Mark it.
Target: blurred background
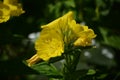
(17, 37)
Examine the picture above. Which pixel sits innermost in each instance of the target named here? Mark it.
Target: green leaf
(100, 3)
(102, 76)
(47, 69)
(111, 40)
(91, 72)
(114, 41)
(70, 3)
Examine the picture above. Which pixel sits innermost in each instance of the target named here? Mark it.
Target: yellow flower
(85, 37)
(59, 34)
(9, 8)
(63, 27)
(4, 13)
(15, 7)
(48, 45)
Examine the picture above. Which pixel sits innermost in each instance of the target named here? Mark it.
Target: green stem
(70, 65)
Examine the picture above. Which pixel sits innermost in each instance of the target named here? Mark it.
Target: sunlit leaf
(91, 72)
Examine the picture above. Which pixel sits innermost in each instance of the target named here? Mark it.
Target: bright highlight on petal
(60, 34)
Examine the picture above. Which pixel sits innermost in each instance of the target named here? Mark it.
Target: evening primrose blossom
(58, 35)
(9, 8)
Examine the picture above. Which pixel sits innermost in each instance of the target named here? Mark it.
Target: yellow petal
(83, 42)
(9, 8)
(4, 13)
(49, 44)
(15, 7)
(85, 37)
(60, 21)
(34, 59)
(12, 2)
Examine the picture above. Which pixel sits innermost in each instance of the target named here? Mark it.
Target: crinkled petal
(49, 45)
